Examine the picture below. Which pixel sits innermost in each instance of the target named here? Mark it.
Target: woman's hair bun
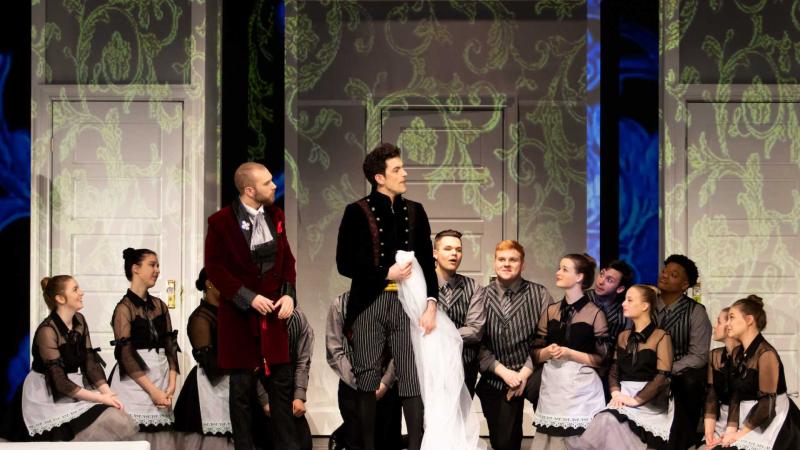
(756, 299)
(128, 253)
(44, 282)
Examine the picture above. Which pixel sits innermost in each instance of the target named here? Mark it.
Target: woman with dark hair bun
(146, 350)
(53, 403)
(202, 410)
(573, 344)
(761, 415)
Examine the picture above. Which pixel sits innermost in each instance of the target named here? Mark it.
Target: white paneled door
(743, 204)
(117, 178)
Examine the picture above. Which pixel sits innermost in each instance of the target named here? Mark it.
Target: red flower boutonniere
(280, 227)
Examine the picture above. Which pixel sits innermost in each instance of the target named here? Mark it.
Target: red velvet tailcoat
(242, 337)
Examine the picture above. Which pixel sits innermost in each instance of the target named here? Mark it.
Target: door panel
(453, 172)
(742, 214)
(117, 183)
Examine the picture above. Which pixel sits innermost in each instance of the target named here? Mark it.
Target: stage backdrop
(730, 144)
(489, 102)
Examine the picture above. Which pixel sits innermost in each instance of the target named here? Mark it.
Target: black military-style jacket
(371, 232)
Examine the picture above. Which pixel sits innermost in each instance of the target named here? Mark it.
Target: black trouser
(533, 384)
(471, 377)
(368, 418)
(688, 389)
(504, 417)
(242, 395)
(388, 423)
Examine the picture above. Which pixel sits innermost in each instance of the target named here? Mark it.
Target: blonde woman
(640, 413)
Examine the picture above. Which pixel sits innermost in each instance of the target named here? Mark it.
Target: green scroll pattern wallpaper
(357, 72)
(118, 113)
(731, 152)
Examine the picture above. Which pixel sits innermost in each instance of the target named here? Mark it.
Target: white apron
(570, 395)
(137, 402)
(756, 439)
(214, 403)
(40, 412)
(653, 420)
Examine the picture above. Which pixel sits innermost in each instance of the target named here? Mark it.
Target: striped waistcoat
(456, 305)
(678, 322)
(511, 338)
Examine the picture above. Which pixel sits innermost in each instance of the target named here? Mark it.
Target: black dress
(44, 407)
(759, 401)
(144, 344)
(641, 370)
(718, 394)
(571, 393)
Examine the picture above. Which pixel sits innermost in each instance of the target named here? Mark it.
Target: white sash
(449, 423)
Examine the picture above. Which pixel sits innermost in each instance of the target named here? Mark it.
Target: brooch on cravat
(245, 225)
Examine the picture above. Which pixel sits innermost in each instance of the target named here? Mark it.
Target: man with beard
(248, 259)
(455, 294)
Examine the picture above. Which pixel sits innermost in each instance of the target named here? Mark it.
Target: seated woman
(53, 404)
(760, 414)
(718, 395)
(146, 351)
(572, 342)
(639, 383)
(202, 410)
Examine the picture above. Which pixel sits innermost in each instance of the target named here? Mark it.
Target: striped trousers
(384, 325)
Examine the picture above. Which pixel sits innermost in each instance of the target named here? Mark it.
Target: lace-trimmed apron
(653, 420)
(137, 402)
(570, 396)
(757, 439)
(215, 413)
(40, 412)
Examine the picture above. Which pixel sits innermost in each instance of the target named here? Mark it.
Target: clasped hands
(620, 400)
(264, 306)
(731, 435)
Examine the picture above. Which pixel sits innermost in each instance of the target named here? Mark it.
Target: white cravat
(261, 233)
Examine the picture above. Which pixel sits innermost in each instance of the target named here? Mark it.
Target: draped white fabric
(448, 421)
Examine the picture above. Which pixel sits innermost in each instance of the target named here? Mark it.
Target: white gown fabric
(448, 421)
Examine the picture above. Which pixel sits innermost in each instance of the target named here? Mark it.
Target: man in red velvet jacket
(248, 259)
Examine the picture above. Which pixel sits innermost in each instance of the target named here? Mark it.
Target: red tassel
(263, 320)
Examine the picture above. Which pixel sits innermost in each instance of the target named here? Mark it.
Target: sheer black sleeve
(170, 340)
(540, 341)
(712, 401)
(93, 364)
(204, 349)
(613, 373)
(46, 342)
(130, 363)
(660, 382)
(764, 411)
(602, 342)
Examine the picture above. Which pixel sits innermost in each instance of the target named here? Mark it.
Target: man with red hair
(503, 317)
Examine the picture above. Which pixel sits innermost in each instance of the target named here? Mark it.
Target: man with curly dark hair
(687, 322)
